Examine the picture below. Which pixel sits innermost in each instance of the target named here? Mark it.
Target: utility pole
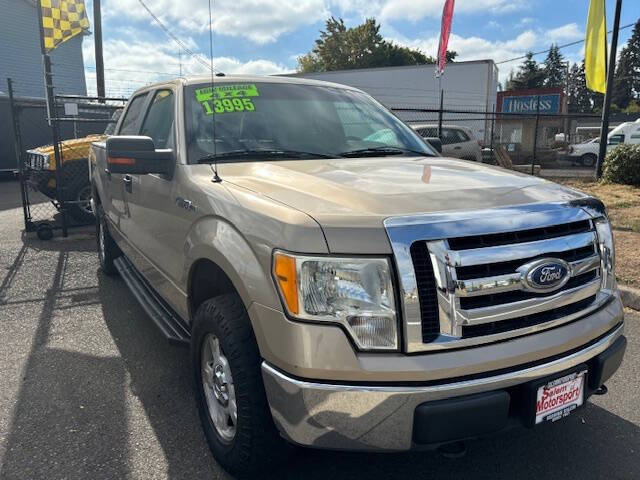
(535, 137)
(97, 40)
(604, 129)
(565, 104)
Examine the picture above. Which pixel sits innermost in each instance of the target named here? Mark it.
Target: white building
(468, 86)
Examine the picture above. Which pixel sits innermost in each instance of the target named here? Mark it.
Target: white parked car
(457, 141)
(585, 153)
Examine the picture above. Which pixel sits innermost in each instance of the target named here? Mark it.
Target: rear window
(616, 139)
(428, 132)
(453, 135)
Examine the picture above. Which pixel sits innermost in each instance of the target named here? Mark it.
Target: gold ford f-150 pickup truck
(340, 284)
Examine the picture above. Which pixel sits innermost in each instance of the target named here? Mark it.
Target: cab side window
(449, 136)
(158, 124)
(130, 121)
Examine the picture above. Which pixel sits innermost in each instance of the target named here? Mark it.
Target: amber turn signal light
(284, 269)
(121, 161)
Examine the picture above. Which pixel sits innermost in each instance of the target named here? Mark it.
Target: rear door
(450, 143)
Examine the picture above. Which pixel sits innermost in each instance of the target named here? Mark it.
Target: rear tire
(108, 250)
(588, 159)
(248, 443)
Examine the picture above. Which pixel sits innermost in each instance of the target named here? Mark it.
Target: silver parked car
(457, 141)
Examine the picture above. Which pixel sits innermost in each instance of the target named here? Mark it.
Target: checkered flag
(62, 20)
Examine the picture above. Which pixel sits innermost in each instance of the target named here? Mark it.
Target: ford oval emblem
(545, 275)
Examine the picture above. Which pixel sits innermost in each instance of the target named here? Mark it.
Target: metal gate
(54, 173)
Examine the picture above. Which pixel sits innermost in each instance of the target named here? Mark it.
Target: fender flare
(218, 241)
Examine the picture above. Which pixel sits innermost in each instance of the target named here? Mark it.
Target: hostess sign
(549, 103)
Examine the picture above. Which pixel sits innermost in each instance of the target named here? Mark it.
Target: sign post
(51, 114)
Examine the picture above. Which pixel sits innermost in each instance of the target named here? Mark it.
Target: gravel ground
(89, 389)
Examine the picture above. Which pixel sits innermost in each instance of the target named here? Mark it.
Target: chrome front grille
(36, 161)
(463, 279)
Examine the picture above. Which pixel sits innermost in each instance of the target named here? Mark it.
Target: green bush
(622, 165)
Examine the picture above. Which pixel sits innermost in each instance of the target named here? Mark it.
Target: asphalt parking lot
(89, 389)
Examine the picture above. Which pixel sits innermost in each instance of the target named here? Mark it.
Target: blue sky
(266, 36)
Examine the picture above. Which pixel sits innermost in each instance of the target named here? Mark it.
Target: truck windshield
(299, 121)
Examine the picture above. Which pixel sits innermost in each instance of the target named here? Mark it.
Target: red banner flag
(445, 30)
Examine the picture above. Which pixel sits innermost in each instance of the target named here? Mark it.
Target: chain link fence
(551, 145)
(54, 176)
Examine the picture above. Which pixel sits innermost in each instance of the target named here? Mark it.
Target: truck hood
(71, 144)
(347, 194)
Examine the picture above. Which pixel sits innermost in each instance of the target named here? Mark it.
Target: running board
(171, 326)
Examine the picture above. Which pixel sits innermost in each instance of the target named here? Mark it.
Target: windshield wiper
(381, 152)
(290, 154)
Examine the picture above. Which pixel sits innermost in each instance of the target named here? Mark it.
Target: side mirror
(133, 154)
(435, 142)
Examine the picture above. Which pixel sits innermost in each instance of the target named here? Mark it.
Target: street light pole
(606, 108)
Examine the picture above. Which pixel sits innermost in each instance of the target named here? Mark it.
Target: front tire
(588, 159)
(230, 394)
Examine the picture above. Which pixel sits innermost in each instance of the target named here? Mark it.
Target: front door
(159, 224)
(119, 191)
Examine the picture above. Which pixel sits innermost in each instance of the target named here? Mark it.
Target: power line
(179, 42)
(577, 42)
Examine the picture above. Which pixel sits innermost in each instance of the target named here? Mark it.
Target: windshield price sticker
(227, 98)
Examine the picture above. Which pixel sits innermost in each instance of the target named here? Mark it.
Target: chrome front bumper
(350, 417)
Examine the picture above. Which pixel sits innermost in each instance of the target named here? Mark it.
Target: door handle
(128, 182)
(457, 148)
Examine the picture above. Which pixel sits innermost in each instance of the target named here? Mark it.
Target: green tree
(579, 97)
(554, 68)
(623, 80)
(633, 54)
(362, 46)
(626, 85)
(529, 75)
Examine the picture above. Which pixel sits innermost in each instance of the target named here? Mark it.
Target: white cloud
(416, 10)
(567, 32)
(131, 65)
(525, 21)
(261, 21)
(264, 21)
(477, 48)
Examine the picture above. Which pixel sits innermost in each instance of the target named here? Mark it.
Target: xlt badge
(186, 204)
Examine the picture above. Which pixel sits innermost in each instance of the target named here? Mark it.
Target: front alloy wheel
(233, 409)
(219, 391)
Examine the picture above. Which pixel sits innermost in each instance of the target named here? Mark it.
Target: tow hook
(603, 390)
(453, 450)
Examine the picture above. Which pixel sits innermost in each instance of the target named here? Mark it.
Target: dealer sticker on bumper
(558, 398)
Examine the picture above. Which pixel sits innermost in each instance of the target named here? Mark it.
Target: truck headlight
(607, 252)
(356, 293)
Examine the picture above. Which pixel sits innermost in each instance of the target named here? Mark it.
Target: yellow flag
(62, 20)
(595, 47)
